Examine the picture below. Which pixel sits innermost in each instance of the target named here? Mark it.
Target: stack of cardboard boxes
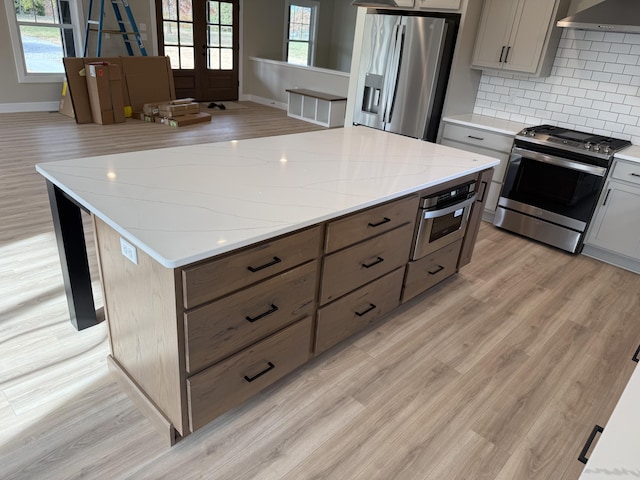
(175, 113)
(106, 90)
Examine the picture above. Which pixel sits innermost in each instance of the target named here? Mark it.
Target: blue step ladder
(97, 26)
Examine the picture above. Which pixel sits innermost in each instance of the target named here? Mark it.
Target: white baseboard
(29, 107)
(264, 101)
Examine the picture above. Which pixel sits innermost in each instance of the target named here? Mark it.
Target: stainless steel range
(552, 184)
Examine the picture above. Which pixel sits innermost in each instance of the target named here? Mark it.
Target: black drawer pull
(501, 54)
(635, 174)
(382, 222)
(273, 309)
(255, 269)
(475, 138)
(583, 454)
(375, 262)
(635, 355)
(437, 270)
(506, 57)
(269, 368)
(371, 307)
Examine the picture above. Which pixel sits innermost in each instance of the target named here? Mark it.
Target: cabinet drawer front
(348, 269)
(224, 327)
(208, 281)
(426, 272)
(377, 220)
(355, 311)
(474, 136)
(227, 384)
(628, 172)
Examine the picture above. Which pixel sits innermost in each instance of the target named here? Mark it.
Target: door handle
(501, 54)
(506, 57)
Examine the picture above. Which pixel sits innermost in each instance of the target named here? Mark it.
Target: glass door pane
(177, 28)
(219, 35)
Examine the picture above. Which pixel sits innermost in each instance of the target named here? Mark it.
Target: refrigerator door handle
(392, 79)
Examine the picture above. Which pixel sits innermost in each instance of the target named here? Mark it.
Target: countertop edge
(497, 125)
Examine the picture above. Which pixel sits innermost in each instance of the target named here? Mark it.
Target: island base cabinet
(350, 314)
(424, 273)
(228, 383)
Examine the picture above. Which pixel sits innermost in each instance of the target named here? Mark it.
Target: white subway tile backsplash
(618, 108)
(622, 48)
(593, 86)
(601, 76)
(608, 116)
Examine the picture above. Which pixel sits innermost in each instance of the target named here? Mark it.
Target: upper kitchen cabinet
(519, 36)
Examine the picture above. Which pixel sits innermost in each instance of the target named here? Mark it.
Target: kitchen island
(225, 266)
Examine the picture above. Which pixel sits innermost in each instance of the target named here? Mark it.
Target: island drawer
(474, 136)
(361, 226)
(628, 172)
(350, 268)
(228, 383)
(355, 311)
(226, 326)
(430, 270)
(207, 281)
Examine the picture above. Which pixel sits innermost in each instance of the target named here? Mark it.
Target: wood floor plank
(497, 373)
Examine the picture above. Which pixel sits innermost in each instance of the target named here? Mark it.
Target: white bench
(316, 107)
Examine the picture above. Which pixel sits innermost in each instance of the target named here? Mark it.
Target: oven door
(561, 191)
(439, 227)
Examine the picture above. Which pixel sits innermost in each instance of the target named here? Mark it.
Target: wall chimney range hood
(621, 16)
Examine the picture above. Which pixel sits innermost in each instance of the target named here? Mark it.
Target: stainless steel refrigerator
(404, 70)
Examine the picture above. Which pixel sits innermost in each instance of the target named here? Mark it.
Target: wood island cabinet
(192, 342)
(519, 36)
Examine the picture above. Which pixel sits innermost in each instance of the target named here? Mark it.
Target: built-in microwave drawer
(628, 172)
(481, 138)
(228, 383)
(226, 326)
(374, 221)
(209, 280)
(426, 272)
(352, 267)
(355, 311)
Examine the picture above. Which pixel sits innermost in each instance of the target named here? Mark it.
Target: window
(42, 33)
(300, 35)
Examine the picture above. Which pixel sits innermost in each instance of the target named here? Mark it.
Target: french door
(201, 38)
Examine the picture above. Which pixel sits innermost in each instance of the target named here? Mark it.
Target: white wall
(593, 87)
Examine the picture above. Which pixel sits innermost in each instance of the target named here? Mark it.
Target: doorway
(201, 37)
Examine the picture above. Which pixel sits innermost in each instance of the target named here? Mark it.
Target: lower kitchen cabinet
(614, 234)
(483, 142)
(424, 273)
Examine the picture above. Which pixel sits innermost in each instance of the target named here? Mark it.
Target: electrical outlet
(143, 37)
(129, 250)
(142, 27)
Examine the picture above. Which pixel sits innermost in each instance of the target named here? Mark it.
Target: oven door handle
(446, 211)
(560, 162)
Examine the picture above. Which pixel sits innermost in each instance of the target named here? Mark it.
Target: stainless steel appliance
(552, 184)
(404, 70)
(442, 218)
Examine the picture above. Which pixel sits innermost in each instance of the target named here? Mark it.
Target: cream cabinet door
(494, 32)
(528, 36)
(616, 226)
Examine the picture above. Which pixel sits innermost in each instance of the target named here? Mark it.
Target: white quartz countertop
(184, 204)
(617, 453)
(631, 154)
(497, 125)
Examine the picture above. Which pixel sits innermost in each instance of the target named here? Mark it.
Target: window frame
(313, 29)
(75, 7)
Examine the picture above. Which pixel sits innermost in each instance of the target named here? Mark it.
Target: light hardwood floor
(498, 373)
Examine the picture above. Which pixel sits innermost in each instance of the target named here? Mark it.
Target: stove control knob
(587, 146)
(607, 150)
(596, 148)
(532, 133)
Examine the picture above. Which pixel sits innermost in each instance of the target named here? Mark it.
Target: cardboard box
(104, 84)
(151, 109)
(66, 105)
(191, 119)
(175, 110)
(144, 80)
